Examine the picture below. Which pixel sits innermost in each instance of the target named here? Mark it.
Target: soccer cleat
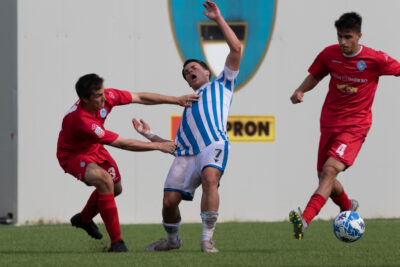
(354, 205)
(299, 224)
(208, 246)
(118, 246)
(90, 228)
(163, 245)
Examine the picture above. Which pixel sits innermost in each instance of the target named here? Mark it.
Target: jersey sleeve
(228, 78)
(388, 65)
(96, 132)
(118, 97)
(318, 68)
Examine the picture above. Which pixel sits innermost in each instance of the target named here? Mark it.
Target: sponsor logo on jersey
(111, 95)
(347, 89)
(103, 113)
(361, 65)
(198, 37)
(99, 132)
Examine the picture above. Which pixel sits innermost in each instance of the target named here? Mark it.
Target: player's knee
(329, 172)
(170, 203)
(105, 183)
(209, 182)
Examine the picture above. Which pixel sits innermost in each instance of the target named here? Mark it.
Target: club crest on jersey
(361, 65)
(103, 113)
(198, 37)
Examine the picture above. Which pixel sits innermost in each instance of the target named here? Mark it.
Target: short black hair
(349, 21)
(204, 65)
(87, 83)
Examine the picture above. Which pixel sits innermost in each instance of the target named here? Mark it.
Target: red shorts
(76, 165)
(343, 146)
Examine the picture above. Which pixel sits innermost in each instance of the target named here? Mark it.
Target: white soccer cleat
(163, 245)
(208, 246)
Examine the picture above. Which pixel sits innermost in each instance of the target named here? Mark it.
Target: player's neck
(89, 108)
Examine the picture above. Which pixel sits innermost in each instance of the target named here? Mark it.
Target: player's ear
(208, 73)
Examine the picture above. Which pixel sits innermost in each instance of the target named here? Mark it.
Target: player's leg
(171, 223)
(212, 161)
(102, 180)
(174, 192)
(209, 207)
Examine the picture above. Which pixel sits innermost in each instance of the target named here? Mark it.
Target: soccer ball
(348, 226)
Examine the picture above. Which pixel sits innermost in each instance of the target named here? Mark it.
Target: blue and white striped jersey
(205, 121)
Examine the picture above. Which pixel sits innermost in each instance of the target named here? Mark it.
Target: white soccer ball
(348, 226)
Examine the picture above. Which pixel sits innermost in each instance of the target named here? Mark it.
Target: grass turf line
(241, 244)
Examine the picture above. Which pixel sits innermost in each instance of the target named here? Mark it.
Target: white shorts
(184, 176)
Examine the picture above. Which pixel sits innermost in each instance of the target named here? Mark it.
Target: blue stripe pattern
(205, 121)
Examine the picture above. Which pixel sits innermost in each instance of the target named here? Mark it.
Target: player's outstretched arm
(144, 129)
(235, 48)
(154, 99)
(308, 84)
(136, 145)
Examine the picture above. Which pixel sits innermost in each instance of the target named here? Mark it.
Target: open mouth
(194, 77)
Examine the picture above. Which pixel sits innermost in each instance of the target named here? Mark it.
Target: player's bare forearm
(139, 146)
(308, 84)
(235, 47)
(155, 99)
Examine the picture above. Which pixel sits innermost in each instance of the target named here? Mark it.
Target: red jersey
(84, 133)
(352, 87)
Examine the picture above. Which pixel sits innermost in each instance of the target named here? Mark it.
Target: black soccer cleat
(90, 228)
(118, 246)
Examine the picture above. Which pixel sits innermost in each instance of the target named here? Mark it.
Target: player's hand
(297, 97)
(213, 10)
(186, 100)
(167, 147)
(141, 127)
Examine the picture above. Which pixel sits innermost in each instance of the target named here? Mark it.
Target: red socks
(109, 214)
(313, 207)
(91, 209)
(342, 200)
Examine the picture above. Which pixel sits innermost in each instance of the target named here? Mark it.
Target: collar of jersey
(202, 88)
(355, 54)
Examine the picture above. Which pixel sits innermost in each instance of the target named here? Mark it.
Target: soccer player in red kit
(346, 115)
(81, 152)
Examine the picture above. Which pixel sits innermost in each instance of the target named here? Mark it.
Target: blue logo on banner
(361, 65)
(197, 37)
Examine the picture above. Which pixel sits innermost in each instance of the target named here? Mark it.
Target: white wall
(130, 44)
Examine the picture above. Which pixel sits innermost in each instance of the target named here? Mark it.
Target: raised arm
(136, 145)
(235, 47)
(154, 99)
(308, 84)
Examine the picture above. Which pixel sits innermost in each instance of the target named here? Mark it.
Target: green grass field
(241, 244)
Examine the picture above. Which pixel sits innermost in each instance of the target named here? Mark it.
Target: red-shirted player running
(81, 153)
(346, 114)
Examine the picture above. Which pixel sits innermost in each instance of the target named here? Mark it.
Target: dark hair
(87, 83)
(349, 21)
(204, 65)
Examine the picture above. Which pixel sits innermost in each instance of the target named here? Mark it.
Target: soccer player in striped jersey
(202, 142)
(346, 114)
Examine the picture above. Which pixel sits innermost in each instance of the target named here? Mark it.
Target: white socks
(209, 219)
(172, 230)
